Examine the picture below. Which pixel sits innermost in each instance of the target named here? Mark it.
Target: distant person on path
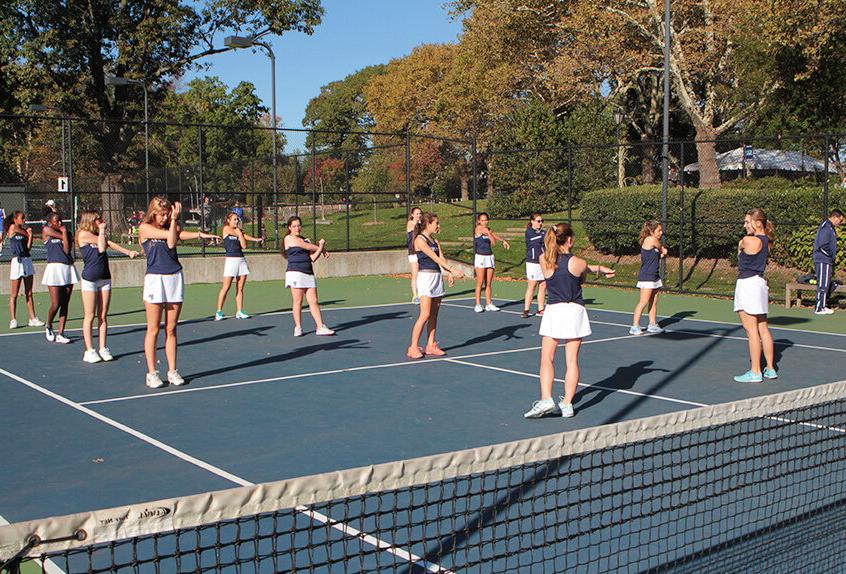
(20, 267)
(825, 253)
(238, 210)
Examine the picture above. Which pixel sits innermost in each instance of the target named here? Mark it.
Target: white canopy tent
(757, 159)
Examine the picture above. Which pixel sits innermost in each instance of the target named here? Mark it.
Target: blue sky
(354, 34)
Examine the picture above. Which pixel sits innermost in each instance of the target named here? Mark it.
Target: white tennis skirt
(96, 286)
(483, 261)
(59, 275)
(430, 284)
(534, 272)
(650, 284)
(20, 267)
(235, 267)
(752, 295)
(412, 258)
(564, 321)
(159, 289)
(299, 280)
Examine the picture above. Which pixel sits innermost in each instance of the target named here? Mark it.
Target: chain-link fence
(357, 194)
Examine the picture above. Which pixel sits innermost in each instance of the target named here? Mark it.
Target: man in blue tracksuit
(825, 252)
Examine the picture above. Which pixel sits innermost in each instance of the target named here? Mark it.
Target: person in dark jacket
(825, 253)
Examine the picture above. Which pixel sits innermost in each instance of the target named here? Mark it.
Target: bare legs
(95, 303)
(760, 339)
(13, 297)
(484, 278)
(240, 282)
(154, 316)
(530, 294)
(224, 290)
(310, 295)
(59, 301)
(648, 300)
(547, 367)
(414, 268)
(429, 308)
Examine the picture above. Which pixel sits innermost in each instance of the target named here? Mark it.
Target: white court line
(322, 373)
(380, 544)
(646, 395)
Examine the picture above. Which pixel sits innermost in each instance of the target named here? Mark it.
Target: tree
(71, 46)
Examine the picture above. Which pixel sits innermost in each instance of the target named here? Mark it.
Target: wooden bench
(798, 288)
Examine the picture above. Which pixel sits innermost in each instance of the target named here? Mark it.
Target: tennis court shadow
(281, 357)
(369, 319)
(257, 331)
(784, 321)
(507, 333)
(624, 378)
(780, 345)
(463, 292)
(288, 309)
(676, 318)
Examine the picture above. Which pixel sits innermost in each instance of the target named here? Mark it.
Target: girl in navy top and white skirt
(649, 279)
(20, 267)
(430, 285)
(235, 265)
(751, 295)
(163, 283)
(96, 286)
(59, 275)
(534, 274)
(483, 241)
(410, 226)
(299, 276)
(565, 318)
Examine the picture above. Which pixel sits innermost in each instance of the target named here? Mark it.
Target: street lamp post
(238, 42)
(621, 157)
(119, 81)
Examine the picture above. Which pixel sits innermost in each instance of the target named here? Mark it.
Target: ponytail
(555, 237)
(649, 227)
(757, 214)
(425, 219)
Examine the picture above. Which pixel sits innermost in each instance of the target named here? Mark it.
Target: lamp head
(238, 42)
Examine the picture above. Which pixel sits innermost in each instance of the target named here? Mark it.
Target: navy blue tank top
(424, 262)
(649, 261)
(482, 245)
(17, 243)
(563, 286)
(534, 244)
(232, 246)
(95, 264)
(161, 259)
(409, 240)
(752, 265)
(56, 253)
(299, 259)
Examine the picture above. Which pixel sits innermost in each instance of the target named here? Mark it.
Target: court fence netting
(757, 485)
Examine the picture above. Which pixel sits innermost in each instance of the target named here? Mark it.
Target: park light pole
(621, 158)
(240, 42)
(119, 81)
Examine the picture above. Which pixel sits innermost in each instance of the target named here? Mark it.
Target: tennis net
(753, 486)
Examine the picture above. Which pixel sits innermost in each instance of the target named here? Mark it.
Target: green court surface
(271, 296)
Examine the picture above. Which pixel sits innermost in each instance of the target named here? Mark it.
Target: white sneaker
(565, 408)
(635, 330)
(154, 381)
(91, 356)
(298, 331)
(541, 408)
(174, 378)
(491, 307)
(824, 311)
(35, 323)
(105, 354)
(324, 331)
(49, 334)
(654, 328)
(13, 324)
(62, 340)
(478, 308)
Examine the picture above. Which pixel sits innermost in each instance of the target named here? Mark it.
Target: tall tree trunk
(465, 186)
(111, 202)
(647, 163)
(706, 150)
(490, 192)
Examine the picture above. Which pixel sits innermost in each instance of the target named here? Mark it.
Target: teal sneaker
(749, 377)
(241, 315)
(219, 316)
(770, 374)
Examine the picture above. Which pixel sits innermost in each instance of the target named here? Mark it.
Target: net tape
(674, 492)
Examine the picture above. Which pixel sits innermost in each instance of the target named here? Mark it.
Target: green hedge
(713, 217)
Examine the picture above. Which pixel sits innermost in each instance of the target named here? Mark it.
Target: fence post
(71, 190)
(313, 190)
(569, 183)
(681, 217)
(407, 172)
(475, 181)
(825, 178)
(347, 191)
(203, 222)
(297, 187)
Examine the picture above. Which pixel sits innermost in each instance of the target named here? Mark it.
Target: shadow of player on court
(505, 333)
(370, 319)
(623, 379)
(676, 318)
